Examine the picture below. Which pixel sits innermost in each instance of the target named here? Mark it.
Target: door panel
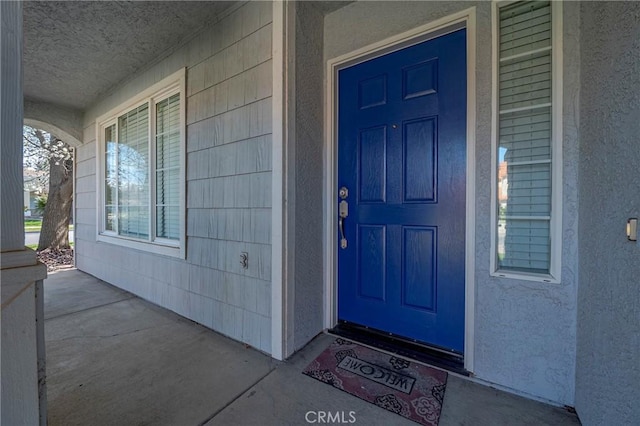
(372, 150)
(402, 155)
(371, 258)
(419, 267)
(420, 166)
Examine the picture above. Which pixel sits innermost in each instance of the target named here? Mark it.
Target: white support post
(11, 189)
(23, 392)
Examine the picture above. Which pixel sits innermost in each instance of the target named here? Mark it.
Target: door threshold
(436, 357)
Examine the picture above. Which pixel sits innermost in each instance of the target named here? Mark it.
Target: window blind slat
(537, 19)
(526, 99)
(531, 154)
(525, 75)
(524, 118)
(526, 40)
(518, 48)
(513, 93)
(534, 62)
(526, 79)
(525, 82)
(168, 151)
(521, 12)
(524, 137)
(527, 244)
(530, 247)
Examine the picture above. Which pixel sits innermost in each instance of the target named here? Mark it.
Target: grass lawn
(34, 225)
(35, 246)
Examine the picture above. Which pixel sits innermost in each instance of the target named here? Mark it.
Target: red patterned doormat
(403, 387)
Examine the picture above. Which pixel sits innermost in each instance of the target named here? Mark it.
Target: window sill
(155, 248)
(527, 276)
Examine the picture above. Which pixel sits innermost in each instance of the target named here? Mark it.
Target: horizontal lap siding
(85, 174)
(228, 179)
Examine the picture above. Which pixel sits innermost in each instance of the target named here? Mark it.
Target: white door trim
(464, 19)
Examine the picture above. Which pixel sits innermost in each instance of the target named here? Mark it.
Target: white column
(11, 185)
(22, 357)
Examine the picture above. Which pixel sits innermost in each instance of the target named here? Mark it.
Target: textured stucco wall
(524, 330)
(65, 123)
(229, 86)
(608, 354)
(308, 145)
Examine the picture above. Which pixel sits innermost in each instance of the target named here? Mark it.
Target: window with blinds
(142, 196)
(524, 137)
(133, 173)
(168, 167)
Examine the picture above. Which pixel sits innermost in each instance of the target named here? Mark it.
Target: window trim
(174, 83)
(555, 225)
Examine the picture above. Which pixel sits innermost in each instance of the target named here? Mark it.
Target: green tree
(43, 151)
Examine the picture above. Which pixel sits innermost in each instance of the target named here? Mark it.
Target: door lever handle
(344, 212)
(343, 240)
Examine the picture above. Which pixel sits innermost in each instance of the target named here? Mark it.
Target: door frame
(463, 19)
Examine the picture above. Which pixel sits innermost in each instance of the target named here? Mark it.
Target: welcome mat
(403, 387)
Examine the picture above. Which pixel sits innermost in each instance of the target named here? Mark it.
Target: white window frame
(555, 226)
(175, 83)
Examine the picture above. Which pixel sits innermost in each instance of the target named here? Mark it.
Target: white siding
(228, 184)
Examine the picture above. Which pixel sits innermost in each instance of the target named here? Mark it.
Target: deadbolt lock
(343, 193)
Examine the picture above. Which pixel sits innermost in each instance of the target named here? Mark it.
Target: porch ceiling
(74, 52)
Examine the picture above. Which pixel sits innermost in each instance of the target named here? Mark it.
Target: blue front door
(402, 159)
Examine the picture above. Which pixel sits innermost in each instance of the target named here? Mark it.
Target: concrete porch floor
(114, 359)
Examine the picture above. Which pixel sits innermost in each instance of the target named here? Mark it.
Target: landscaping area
(55, 259)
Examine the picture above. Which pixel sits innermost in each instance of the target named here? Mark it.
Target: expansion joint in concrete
(89, 308)
(235, 398)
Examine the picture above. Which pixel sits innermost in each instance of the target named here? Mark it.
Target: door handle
(343, 213)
